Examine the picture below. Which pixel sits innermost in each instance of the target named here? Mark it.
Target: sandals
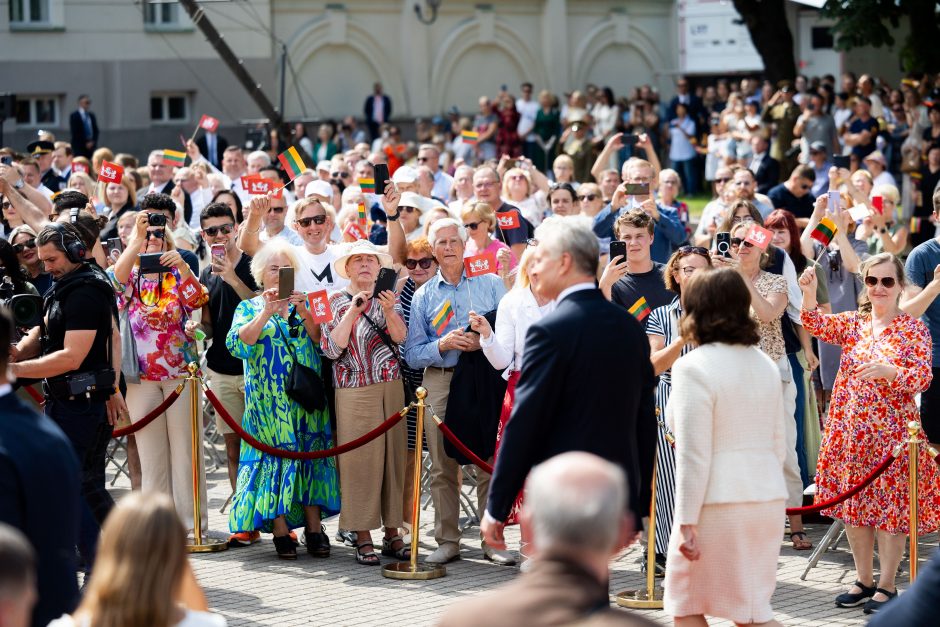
(285, 548)
(800, 543)
(367, 559)
(402, 554)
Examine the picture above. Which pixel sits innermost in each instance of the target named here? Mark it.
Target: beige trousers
(372, 477)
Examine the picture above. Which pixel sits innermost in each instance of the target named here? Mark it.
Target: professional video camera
(26, 309)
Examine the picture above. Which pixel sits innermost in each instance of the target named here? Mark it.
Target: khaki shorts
(230, 390)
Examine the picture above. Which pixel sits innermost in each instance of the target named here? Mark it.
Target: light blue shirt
(484, 292)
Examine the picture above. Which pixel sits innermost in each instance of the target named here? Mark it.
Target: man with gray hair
(572, 396)
(575, 504)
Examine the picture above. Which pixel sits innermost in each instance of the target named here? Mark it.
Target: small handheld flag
(470, 137)
(255, 185)
(507, 220)
(174, 158)
(363, 218)
(319, 305)
(824, 231)
(640, 309)
(79, 166)
(208, 123)
(354, 231)
(439, 322)
(367, 186)
(292, 163)
(484, 263)
(915, 224)
(878, 204)
(110, 172)
(759, 236)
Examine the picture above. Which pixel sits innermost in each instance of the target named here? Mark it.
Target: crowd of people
(284, 295)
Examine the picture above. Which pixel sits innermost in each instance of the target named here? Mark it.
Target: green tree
(871, 22)
(766, 21)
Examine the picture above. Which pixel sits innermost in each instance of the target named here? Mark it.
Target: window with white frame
(169, 108)
(164, 16)
(37, 111)
(29, 12)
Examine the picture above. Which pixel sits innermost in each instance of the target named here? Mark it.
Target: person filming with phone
(158, 293)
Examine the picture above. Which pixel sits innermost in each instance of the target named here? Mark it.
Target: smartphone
(841, 161)
(115, 244)
(218, 250)
(637, 189)
(385, 282)
(629, 140)
(834, 202)
(380, 173)
(512, 163)
(723, 244)
(285, 282)
(6, 160)
(618, 249)
(150, 263)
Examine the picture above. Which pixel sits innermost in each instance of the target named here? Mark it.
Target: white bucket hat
(360, 247)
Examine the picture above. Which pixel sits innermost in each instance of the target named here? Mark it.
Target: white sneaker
(444, 554)
(503, 558)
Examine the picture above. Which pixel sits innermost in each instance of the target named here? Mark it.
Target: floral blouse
(158, 316)
(771, 333)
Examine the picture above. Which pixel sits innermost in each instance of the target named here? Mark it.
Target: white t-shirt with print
(317, 272)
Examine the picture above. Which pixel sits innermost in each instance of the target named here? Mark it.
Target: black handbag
(303, 384)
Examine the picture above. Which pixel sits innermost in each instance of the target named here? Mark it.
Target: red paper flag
(190, 290)
(110, 172)
(79, 166)
(878, 204)
(319, 305)
(355, 231)
(208, 123)
(759, 236)
(256, 185)
(508, 220)
(484, 263)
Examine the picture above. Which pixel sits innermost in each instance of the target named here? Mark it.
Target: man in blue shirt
(440, 311)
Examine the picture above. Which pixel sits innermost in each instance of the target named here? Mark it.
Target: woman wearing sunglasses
(23, 239)
(886, 362)
(480, 220)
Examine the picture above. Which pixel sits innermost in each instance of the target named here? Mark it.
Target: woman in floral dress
(885, 363)
(275, 494)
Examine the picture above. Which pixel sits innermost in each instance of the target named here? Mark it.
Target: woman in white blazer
(726, 411)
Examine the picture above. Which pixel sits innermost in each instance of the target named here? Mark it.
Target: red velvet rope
(390, 422)
(479, 463)
(816, 507)
(146, 420)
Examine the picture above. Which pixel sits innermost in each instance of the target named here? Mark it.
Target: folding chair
(116, 446)
(829, 541)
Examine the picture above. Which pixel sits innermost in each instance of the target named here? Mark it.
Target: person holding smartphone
(158, 311)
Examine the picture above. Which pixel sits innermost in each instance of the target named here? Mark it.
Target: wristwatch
(19, 184)
(392, 218)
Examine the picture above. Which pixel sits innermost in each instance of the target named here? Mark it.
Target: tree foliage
(766, 21)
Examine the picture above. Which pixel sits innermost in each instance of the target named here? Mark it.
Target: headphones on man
(72, 245)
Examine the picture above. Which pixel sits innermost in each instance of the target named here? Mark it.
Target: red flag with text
(484, 263)
(354, 231)
(208, 123)
(508, 219)
(110, 172)
(759, 236)
(319, 305)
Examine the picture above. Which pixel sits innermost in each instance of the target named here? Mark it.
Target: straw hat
(360, 247)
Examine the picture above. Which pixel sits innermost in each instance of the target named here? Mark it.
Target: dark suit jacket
(39, 495)
(110, 229)
(166, 190)
(80, 135)
(586, 384)
(768, 173)
(369, 113)
(918, 606)
(220, 145)
(553, 592)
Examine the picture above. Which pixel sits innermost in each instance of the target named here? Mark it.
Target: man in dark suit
(212, 145)
(586, 380)
(766, 169)
(377, 110)
(575, 504)
(692, 102)
(39, 492)
(84, 127)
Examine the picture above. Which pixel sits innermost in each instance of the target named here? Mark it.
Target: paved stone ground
(250, 586)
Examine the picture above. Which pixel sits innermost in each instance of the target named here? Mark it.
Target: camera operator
(73, 350)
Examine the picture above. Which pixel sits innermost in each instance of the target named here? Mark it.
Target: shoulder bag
(302, 383)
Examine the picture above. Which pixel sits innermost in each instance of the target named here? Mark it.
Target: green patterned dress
(270, 486)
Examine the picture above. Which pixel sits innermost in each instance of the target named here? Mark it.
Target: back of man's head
(17, 577)
(571, 235)
(576, 503)
(69, 199)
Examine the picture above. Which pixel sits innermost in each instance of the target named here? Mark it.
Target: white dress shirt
(517, 311)
(577, 287)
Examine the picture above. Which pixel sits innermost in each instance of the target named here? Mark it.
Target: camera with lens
(26, 309)
(156, 219)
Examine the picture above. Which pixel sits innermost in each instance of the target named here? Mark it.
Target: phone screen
(218, 250)
(285, 282)
(618, 249)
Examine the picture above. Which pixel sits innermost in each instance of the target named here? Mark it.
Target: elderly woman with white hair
(884, 231)
(273, 336)
(362, 339)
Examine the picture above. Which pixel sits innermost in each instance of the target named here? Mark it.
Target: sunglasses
(422, 159)
(409, 209)
(517, 177)
(424, 262)
(724, 180)
(277, 210)
(737, 241)
(693, 250)
(340, 175)
(305, 222)
(224, 229)
(872, 281)
(472, 225)
(24, 245)
(588, 197)
(157, 233)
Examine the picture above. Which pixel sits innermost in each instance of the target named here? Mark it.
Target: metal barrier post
(198, 544)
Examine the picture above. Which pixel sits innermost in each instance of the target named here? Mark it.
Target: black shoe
(318, 544)
(285, 548)
(660, 567)
(872, 606)
(347, 537)
(848, 599)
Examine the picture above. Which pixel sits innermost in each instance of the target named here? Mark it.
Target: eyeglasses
(887, 281)
(305, 222)
(588, 197)
(724, 180)
(484, 184)
(424, 262)
(693, 250)
(422, 159)
(24, 245)
(157, 233)
(806, 187)
(737, 241)
(472, 225)
(517, 177)
(276, 210)
(409, 209)
(6, 205)
(224, 229)
(341, 175)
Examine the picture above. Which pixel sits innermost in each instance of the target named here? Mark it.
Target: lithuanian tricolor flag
(292, 163)
(174, 158)
(367, 186)
(824, 231)
(640, 309)
(915, 224)
(442, 318)
(470, 137)
(362, 214)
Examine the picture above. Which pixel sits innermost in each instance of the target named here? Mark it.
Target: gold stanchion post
(652, 597)
(913, 445)
(198, 544)
(412, 569)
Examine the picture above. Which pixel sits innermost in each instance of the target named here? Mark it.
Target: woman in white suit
(726, 411)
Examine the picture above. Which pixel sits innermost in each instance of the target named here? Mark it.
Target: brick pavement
(250, 586)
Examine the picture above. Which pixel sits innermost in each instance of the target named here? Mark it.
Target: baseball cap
(405, 174)
(318, 188)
